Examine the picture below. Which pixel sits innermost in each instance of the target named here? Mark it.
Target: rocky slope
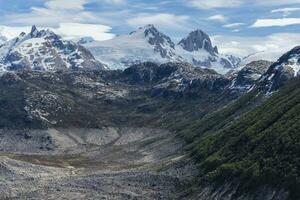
(239, 148)
(176, 78)
(80, 98)
(286, 67)
(245, 78)
(45, 51)
(148, 44)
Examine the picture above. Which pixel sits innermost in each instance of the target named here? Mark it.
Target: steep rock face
(45, 51)
(247, 76)
(202, 53)
(286, 68)
(197, 40)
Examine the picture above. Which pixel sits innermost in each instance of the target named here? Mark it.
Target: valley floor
(108, 163)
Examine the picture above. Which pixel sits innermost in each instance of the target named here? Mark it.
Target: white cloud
(212, 4)
(66, 30)
(162, 20)
(273, 45)
(66, 4)
(76, 30)
(285, 11)
(115, 1)
(51, 17)
(219, 18)
(275, 22)
(53, 13)
(69, 18)
(11, 32)
(233, 25)
(209, 4)
(274, 2)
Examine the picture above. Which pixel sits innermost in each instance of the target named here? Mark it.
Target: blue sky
(236, 26)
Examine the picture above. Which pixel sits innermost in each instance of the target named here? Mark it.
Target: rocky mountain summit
(197, 40)
(159, 41)
(148, 44)
(45, 51)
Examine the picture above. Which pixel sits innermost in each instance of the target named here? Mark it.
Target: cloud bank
(275, 22)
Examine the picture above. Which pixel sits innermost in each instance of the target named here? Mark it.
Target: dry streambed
(108, 163)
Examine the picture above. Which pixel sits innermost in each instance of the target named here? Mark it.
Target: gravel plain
(107, 163)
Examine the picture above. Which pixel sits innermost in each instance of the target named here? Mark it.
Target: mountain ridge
(149, 44)
(44, 50)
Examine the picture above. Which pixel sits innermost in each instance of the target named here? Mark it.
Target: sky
(238, 27)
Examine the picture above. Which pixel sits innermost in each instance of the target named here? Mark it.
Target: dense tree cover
(259, 147)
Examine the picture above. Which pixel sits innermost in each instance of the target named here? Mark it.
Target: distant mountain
(85, 40)
(148, 44)
(45, 51)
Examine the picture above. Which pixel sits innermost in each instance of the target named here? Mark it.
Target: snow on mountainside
(245, 78)
(286, 67)
(145, 44)
(148, 44)
(44, 50)
(265, 55)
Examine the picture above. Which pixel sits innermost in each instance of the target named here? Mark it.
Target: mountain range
(149, 44)
(179, 121)
(44, 50)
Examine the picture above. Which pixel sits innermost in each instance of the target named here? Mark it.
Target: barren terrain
(108, 163)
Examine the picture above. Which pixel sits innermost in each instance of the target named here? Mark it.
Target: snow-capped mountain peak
(46, 51)
(142, 45)
(154, 36)
(161, 43)
(34, 32)
(148, 44)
